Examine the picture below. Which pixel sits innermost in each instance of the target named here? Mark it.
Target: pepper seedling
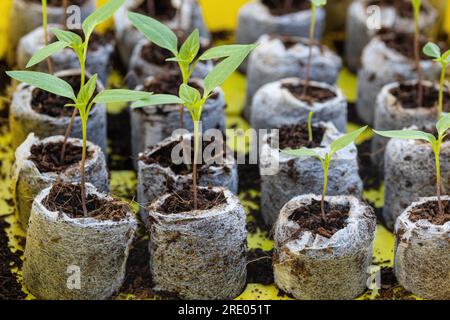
(416, 7)
(84, 101)
(432, 50)
(45, 26)
(436, 143)
(326, 158)
(69, 39)
(312, 29)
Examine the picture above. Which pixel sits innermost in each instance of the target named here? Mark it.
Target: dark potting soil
(119, 137)
(47, 157)
(309, 218)
(162, 10)
(390, 289)
(10, 289)
(259, 266)
(403, 43)
(403, 8)
(297, 137)
(313, 94)
(59, 3)
(66, 198)
(52, 105)
(406, 95)
(282, 7)
(430, 211)
(163, 157)
(183, 201)
(4, 79)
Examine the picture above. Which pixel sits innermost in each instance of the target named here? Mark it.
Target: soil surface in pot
(163, 157)
(66, 198)
(313, 94)
(47, 156)
(430, 211)
(162, 10)
(183, 200)
(297, 137)
(406, 95)
(47, 103)
(403, 8)
(59, 3)
(309, 218)
(279, 8)
(403, 43)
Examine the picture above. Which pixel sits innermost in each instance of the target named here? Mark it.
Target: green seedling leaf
(68, 36)
(156, 100)
(344, 141)
(87, 91)
(46, 52)
(155, 31)
(432, 50)
(446, 57)
(223, 51)
(190, 48)
(407, 135)
(189, 95)
(304, 152)
(224, 69)
(319, 3)
(45, 82)
(443, 125)
(121, 95)
(100, 15)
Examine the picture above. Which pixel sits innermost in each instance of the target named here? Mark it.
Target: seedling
(436, 143)
(432, 50)
(45, 26)
(416, 6)
(72, 40)
(310, 133)
(325, 159)
(314, 5)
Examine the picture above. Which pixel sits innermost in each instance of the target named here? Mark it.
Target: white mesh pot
(59, 246)
(255, 19)
(151, 125)
(274, 106)
(128, 37)
(97, 62)
(358, 18)
(313, 267)
(410, 173)
(28, 181)
(155, 180)
(199, 254)
(422, 255)
(382, 65)
(272, 61)
(27, 15)
(304, 175)
(390, 115)
(24, 120)
(140, 69)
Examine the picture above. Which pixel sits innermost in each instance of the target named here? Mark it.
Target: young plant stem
(185, 76)
(46, 38)
(311, 43)
(310, 133)
(194, 171)
(326, 166)
(441, 92)
(417, 60)
(436, 150)
(83, 168)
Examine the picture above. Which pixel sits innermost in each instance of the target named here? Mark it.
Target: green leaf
(224, 69)
(156, 100)
(100, 15)
(189, 95)
(407, 135)
(446, 57)
(304, 152)
(432, 50)
(443, 124)
(121, 95)
(224, 51)
(155, 31)
(68, 36)
(45, 82)
(319, 3)
(190, 48)
(46, 52)
(345, 140)
(87, 90)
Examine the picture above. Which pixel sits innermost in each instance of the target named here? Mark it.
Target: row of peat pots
(323, 249)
